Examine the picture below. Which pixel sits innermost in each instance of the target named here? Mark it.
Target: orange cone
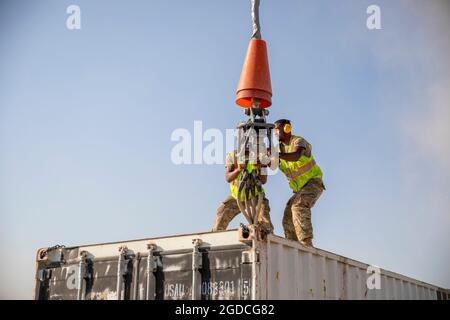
(255, 77)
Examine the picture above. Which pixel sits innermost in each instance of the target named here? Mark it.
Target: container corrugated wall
(296, 272)
(221, 265)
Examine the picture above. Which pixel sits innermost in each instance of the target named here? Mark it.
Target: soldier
(305, 180)
(229, 208)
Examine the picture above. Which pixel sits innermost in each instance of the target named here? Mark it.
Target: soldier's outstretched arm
(292, 156)
(231, 173)
(301, 147)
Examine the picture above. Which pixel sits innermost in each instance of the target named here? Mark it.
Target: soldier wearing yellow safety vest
(305, 180)
(229, 208)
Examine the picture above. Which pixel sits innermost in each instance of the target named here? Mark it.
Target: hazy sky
(86, 118)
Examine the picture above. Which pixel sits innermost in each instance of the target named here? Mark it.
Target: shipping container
(240, 264)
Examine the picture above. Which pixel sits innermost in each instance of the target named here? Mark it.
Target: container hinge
(44, 274)
(122, 271)
(196, 266)
(152, 265)
(84, 274)
(250, 256)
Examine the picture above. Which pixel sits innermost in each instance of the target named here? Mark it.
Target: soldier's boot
(267, 228)
(307, 242)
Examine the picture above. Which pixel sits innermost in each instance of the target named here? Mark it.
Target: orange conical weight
(255, 77)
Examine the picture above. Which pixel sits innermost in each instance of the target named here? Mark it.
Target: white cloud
(416, 46)
(429, 128)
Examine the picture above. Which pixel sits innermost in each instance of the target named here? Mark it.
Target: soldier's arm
(300, 149)
(292, 156)
(231, 173)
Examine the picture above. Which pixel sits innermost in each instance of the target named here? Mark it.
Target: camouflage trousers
(297, 214)
(229, 209)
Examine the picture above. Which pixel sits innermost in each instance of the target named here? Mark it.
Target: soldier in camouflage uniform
(305, 180)
(229, 208)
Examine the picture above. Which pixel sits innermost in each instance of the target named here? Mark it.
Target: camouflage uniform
(297, 215)
(229, 209)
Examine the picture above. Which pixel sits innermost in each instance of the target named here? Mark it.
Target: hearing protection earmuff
(287, 128)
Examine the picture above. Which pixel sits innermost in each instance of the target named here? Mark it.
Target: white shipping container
(235, 264)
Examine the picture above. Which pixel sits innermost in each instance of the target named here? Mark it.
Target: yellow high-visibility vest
(301, 171)
(234, 185)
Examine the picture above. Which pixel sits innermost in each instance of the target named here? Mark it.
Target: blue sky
(86, 118)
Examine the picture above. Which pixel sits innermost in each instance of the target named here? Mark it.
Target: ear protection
(287, 128)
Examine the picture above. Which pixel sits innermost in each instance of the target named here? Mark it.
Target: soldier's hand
(273, 162)
(264, 159)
